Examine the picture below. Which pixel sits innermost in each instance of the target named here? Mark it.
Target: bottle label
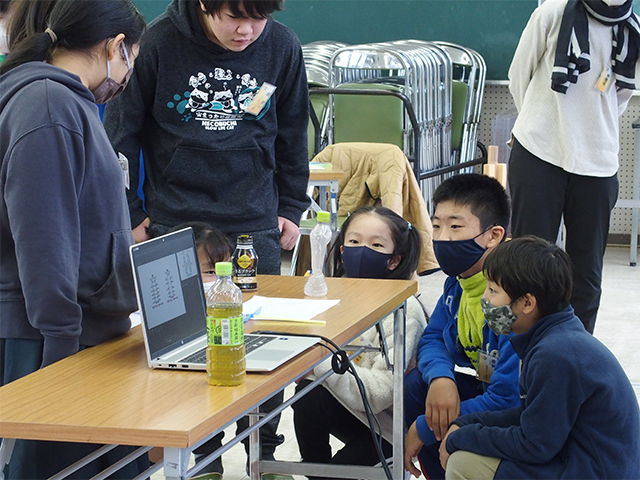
(244, 261)
(225, 331)
(245, 268)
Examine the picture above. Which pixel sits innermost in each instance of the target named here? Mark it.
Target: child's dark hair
(532, 265)
(78, 25)
(256, 9)
(485, 197)
(215, 243)
(406, 243)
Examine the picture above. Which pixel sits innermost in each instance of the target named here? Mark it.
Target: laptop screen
(169, 288)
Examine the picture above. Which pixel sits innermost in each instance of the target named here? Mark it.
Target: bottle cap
(324, 216)
(223, 269)
(244, 239)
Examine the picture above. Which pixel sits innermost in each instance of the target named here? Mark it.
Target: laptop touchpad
(266, 355)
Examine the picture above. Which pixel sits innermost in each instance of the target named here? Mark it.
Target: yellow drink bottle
(225, 330)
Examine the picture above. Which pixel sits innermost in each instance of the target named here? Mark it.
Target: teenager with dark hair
(470, 219)
(207, 158)
(578, 415)
(374, 242)
(65, 283)
(255, 9)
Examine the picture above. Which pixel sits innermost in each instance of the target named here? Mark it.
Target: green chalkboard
(491, 27)
(151, 8)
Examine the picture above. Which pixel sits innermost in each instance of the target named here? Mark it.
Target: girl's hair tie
(52, 35)
(409, 225)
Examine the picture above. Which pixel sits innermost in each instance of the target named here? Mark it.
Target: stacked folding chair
(368, 81)
(317, 56)
(470, 71)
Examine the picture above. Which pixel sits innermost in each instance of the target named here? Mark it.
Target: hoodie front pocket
(223, 181)
(117, 295)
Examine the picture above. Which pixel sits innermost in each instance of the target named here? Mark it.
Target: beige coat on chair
(379, 173)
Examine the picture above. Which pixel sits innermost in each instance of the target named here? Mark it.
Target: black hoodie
(205, 159)
(64, 226)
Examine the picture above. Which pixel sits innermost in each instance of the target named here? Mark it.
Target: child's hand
(442, 406)
(444, 454)
(412, 446)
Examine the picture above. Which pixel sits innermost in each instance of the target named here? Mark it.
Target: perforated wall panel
(497, 115)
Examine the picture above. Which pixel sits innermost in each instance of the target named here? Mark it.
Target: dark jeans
(415, 396)
(317, 415)
(542, 194)
(38, 459)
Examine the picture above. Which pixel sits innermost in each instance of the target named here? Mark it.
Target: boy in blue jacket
(471, 218)
(578, 416)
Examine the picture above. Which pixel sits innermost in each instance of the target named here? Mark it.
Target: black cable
(341, 363)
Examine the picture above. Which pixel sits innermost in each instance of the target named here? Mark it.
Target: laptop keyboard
(254, 341)
(199, 357)
(251, 342)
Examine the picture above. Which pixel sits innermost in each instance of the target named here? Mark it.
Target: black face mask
(364, 262)
(458, 256)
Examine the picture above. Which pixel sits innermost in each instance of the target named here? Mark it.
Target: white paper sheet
(286, 308)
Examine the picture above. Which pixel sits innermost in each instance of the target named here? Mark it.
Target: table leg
(333, 205)
(399, 325)
(176, 461)
(6, 449)
(254, 447)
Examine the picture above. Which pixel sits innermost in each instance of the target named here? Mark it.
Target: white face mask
(207, 286)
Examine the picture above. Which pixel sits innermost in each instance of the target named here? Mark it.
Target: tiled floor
(617, 327)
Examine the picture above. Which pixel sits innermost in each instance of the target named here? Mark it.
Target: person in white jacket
(571, 78)
(374, 242)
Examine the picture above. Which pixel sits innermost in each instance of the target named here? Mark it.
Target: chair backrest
(459, 94)
(368, 118)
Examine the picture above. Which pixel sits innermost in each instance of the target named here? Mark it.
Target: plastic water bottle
(316, 285)
(225, 330)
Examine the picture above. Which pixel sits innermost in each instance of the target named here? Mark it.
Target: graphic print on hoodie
(218, 99)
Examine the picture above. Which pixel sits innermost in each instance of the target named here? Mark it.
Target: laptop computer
(173, 310)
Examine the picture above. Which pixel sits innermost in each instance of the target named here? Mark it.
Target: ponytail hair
(37, 27)
(407, 243)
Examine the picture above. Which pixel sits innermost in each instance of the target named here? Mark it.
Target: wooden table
(108, 395)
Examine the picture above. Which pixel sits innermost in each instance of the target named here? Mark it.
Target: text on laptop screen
(170, 290)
